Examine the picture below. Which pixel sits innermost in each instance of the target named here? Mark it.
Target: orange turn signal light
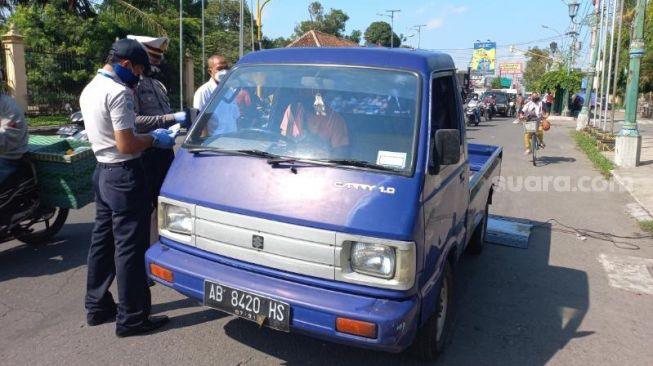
(162, 273)
(356, 327)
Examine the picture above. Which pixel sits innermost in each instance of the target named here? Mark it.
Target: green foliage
(587, 144)
(559, 79)
(536, 66)
(355, 36)
(332, 22)
(379, 33)
(496, 83)
(646, 226)
(56, 120)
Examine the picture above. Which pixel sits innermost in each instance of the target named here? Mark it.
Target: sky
(451, 26)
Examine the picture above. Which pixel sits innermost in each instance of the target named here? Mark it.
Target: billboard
(510, 68)
(484, 58)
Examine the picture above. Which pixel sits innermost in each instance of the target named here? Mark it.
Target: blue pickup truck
(329, 192)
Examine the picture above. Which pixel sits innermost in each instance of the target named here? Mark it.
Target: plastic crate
(64, 180)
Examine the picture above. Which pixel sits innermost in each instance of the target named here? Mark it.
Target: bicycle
(530, 127)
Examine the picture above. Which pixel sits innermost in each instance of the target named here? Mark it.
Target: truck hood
(326, 197)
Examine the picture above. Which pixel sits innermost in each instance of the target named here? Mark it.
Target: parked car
(353, 244)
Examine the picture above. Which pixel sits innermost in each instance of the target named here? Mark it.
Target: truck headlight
(373, 259)
(176, 219)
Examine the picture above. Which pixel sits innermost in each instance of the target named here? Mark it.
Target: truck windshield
(348, 114)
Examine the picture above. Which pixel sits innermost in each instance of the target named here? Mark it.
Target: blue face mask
(125, 74)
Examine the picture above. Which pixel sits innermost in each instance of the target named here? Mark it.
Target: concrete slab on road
(550, 304)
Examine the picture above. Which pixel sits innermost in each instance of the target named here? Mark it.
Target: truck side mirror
(447, 144)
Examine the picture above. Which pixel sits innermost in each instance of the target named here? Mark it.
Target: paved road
(552, 303)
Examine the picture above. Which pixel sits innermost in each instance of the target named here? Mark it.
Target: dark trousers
(156, 163)
(118, 243)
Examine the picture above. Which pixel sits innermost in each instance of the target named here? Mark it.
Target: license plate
(262, 310)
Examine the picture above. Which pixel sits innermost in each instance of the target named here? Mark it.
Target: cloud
(434, 23)
(458, 9)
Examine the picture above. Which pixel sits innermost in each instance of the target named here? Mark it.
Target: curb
(629, 189)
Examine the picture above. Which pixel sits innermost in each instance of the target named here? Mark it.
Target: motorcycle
(490, 111)
(22, 216)
(511, 109)
(473, 111)
(75, 129)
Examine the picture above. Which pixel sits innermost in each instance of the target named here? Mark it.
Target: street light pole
(392, 25)
(419, 33)
(629, 141)
(259, 24)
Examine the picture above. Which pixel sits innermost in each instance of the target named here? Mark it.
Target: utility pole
(392, 25)
(259, 24)
(241, 39)
(419, 32)
(629, 142)
(616, 67)
(584, 115)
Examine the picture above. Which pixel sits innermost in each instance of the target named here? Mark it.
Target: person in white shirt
(225, 116)
(532, 111)
(118, 241)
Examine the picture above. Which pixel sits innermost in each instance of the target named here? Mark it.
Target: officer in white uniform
(118, 241)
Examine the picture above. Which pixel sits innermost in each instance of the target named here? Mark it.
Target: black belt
(126, 163)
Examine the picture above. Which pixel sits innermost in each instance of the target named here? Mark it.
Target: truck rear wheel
(477, 240)
(433, 335)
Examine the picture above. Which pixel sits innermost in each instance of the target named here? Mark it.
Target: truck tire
(433, 335)
(475, 246)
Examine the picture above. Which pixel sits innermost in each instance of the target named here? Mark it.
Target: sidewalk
(638, 181)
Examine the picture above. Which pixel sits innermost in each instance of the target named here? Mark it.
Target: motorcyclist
(532, 111)
(475, 104)
(13, 137)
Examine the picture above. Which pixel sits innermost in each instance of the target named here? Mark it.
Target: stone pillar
(14, 50)
(189, 80)
(627, 151)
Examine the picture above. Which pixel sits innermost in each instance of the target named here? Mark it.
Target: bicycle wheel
(534, 147)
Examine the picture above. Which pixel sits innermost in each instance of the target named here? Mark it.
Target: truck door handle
(462, 176)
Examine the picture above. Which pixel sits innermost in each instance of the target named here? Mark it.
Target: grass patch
(646, 226)
(587, 143)
(47, 121)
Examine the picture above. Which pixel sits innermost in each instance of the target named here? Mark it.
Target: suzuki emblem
(257, 241)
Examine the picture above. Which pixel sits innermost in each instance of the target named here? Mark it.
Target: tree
(536, 66)
(379, 33)
(332, 22)
(496, 83)
(355, 36)
(559, 80)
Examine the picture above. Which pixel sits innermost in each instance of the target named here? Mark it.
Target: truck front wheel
(431, 338)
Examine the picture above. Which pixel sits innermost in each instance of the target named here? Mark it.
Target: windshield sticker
(390, 158)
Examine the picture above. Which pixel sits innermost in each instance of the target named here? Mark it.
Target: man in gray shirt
(13, 136)
(153, 111)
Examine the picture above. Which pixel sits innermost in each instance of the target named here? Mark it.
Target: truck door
(445, 195)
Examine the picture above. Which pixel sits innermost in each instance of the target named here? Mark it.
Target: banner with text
(484, 58)
(510, 68)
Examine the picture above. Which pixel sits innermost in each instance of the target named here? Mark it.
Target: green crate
(64, 180)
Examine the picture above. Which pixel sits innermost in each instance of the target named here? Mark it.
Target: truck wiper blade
(197, 150)
(362, 164)
(260, 153)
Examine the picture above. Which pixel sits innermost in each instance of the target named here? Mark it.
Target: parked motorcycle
(75, 129)
(22, 216)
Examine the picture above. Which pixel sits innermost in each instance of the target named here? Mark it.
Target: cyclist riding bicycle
(532, 111)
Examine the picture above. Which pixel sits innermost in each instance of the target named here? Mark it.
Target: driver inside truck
(309, 117)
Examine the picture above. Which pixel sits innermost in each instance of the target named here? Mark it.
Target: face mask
(219, 75)
(126, 75)
(536, 100)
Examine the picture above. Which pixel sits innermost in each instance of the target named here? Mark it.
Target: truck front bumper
(313, 309)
